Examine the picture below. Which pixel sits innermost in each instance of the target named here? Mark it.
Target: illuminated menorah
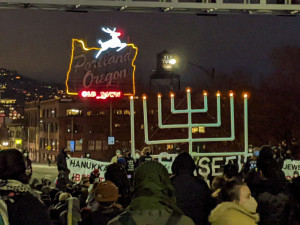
(189, 125)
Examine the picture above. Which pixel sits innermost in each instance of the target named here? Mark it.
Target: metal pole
(246, 123)
(110, 118)
(28, 132)
(189, 107)
(72, 128)
(48, 135)
(132, 126)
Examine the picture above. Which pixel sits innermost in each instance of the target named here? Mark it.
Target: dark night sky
(37, 43)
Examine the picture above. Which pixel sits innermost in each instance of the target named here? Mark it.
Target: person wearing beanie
(19, 203)
(105, 206)
(192, 193)
(154, 199)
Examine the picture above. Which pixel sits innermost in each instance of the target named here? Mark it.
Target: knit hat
(96, 172)
(106, 191)
(183, 161)
(121, 161)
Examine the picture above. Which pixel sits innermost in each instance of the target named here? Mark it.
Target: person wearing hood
(192, 193)
(154, 199)
(19, 204)
(237, 207)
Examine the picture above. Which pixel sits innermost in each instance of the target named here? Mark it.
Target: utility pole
(110, 119)
(28, 133)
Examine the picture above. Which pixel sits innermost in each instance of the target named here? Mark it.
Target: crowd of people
(144, 192)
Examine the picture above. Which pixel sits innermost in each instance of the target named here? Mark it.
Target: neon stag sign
(101, 94)
(114, 42)
(112, 70)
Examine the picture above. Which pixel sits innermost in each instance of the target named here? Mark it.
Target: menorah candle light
(190, 125)
(245, 95)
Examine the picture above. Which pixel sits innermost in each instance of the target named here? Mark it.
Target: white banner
(291, 168)
(82, 167)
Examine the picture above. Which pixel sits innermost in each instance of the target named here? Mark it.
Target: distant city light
(172, 61)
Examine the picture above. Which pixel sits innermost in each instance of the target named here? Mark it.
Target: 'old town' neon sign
(101, 94)
(114, 42)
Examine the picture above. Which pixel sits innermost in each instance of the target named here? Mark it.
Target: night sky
(37, 43)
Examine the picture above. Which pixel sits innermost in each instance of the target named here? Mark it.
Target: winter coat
(100, 216)
(150, 217)
(193, 196)
(23, 206)
(274, 204)
(230, 213)
(62, 161)
(154, 200)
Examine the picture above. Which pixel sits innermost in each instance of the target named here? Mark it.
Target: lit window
(201, 129)
(170, 146)
(126, 112)
(73, 112)
(195, 130)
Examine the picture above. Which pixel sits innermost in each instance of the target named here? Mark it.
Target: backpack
(126, 218)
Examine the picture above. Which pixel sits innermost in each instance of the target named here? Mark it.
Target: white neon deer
(114, 42)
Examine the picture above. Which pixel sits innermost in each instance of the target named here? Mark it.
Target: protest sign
(82, 167)
(291, 168)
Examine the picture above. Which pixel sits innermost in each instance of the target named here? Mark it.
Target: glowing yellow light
(131, 97)
(18, 141)
(218, 94)
(172, 95)
(245, 95)
(159, 95)
(231, 94)
(172, 61)
(144, 97)
(204, 93)
(93, 48)
(188, 90)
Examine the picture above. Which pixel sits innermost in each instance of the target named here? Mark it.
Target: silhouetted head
(183, 162)
(12, 166)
